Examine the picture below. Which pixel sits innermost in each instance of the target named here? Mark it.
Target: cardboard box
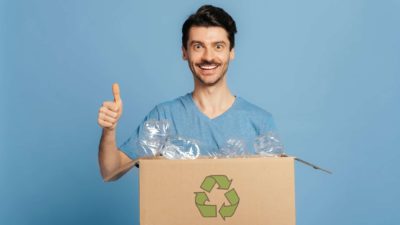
(217, 191)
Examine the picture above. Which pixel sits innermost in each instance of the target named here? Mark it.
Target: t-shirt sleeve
(131, 146)
(268, 124)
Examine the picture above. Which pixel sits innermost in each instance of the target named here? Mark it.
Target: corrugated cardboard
(217, 191)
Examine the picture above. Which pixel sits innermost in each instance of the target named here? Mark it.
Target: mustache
(207, 63)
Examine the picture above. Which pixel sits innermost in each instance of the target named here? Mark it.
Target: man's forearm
(109, 156)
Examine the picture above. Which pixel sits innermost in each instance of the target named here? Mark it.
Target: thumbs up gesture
(110, 111)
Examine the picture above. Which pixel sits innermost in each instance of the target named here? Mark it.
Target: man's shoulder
(248, 107)
(175, 103)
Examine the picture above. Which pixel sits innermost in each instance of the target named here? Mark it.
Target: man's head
(210, 16)
(208, 39)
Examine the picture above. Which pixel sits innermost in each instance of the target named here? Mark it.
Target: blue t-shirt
(242, 121)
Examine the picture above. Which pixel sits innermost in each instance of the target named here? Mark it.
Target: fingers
(109, 114)
(117, 96)
(106, 118)
(104, 124)
(111, 106)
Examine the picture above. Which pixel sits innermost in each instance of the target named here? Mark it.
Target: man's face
(208, 54)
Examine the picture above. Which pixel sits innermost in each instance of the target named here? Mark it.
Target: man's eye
(197, 46)
(219, 46)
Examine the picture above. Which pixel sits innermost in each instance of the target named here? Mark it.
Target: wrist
(109, 130)
(108, 135)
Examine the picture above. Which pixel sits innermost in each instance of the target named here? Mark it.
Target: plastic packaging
(234, 148)
(269, 144)
(177, 147)
(156, 139)
(153, 137)
(215, 154)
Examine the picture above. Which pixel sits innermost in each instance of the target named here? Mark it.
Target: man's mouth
(208, 66)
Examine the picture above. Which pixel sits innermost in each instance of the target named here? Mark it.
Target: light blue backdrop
(329, 71)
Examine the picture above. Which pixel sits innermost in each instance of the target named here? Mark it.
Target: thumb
(117, 97)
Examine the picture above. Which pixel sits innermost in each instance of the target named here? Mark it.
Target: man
(210, 114)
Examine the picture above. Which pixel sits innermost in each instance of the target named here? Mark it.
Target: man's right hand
(110, 111)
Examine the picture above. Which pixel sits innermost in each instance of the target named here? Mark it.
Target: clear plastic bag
(153, 137)
(215, 154)
(269, 144)
(177, 147)
(234, 148)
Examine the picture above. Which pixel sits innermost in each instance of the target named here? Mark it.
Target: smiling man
(210, 114)
(208, 52)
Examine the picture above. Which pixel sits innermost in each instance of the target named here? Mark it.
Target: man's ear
(184, 53)
(232, 54)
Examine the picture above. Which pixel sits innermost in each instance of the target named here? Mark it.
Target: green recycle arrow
(229, 210)
(222, 181)
(205, 210)
(211, 210)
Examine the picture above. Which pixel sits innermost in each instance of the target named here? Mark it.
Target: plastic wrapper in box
(269, 144)
(156, 139)
(153, 137)
(177, 147)
(234, 148)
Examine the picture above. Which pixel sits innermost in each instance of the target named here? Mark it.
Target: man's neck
(213, 101)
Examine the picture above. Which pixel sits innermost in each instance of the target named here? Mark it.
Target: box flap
(312, 165)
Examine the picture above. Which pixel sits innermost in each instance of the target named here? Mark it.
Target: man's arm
(111, 159)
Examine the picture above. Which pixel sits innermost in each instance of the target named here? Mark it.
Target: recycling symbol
(211, 210)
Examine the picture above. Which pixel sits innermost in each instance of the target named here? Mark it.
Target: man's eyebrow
(196, 42)
(200, 42)
(220, 42)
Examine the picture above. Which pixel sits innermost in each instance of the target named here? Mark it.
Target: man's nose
(208, 54)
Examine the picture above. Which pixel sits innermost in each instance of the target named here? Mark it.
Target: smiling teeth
(208, 67)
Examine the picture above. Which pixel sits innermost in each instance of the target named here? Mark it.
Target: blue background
(329, 71)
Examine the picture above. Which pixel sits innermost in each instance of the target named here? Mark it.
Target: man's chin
(209, 82)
